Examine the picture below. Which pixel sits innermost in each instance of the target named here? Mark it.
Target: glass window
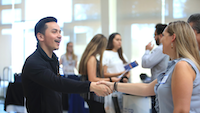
(178, 9)
(138, 42)
(6, 32)
(61, 9)
(9, 2)
(86, 11)
(83, 30)
(139, 10)
(7, 16)
(136, 23)
(83, 35)
(17, 47)
(80, 20)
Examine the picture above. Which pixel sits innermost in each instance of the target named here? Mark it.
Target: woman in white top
(69, 60)
(114, 59)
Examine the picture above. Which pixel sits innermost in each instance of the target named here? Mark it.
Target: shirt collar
(44, 55)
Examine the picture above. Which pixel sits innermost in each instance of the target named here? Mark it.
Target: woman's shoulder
(185, 61)
(185, 64)
(182, 64)
(92, 58)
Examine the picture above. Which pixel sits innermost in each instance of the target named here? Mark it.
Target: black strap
(110, 79)
(121, 80)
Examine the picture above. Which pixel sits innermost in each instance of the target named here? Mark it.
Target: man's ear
(160, 36)
(40, 37)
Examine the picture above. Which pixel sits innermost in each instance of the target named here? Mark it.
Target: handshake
(102, 88)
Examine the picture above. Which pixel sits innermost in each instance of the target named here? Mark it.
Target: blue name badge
(164, 79)
(131, 65)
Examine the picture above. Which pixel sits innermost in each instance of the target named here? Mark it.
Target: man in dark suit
(41, 81)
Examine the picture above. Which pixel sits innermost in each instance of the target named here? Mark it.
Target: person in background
(68, 60)
(177, 89)
(68, 63)
(91, 69)
(114, 61)
(41, 81)
(194, 21)
(155, 59)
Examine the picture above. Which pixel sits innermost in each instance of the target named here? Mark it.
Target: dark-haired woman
(113, 62)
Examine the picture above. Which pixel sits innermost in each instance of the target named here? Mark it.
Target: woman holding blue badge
(114, 61)
(178, 89)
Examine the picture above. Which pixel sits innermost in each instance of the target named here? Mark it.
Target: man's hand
(100, 89)
(149, 46)
(109, 84)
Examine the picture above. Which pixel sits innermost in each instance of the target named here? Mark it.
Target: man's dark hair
(41, 26)
(195, 19)
(160, 28)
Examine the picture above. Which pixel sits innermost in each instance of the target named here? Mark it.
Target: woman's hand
(125, 77)
(115, 79)
(125, 80)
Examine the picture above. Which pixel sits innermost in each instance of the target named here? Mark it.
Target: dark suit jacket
(42, 85)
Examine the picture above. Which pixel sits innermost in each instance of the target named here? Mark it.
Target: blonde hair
(96, 46)
(185, 41)
(74, 57)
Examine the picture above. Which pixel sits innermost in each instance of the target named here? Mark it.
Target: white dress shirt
(156, 60)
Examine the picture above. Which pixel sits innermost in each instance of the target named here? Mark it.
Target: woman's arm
(182, 86)
(91, 70)
(126, 77)
(141, 89)
(106, 74)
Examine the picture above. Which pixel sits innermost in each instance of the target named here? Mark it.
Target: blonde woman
(91, 69)
(69, 60)
(177, 89)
